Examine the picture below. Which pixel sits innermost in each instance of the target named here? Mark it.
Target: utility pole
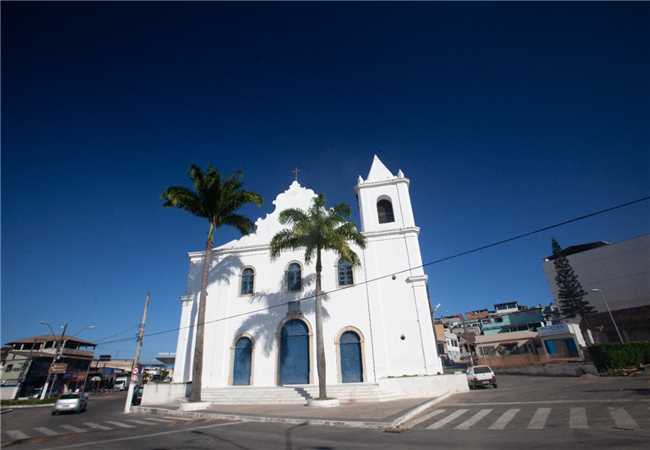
(57, 357)
(136, 357)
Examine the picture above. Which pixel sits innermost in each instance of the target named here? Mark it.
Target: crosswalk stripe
(140, 422)
(446, 420)
(16, 434)
(96, 426)
(578, 419)
(46, 431)
(156, 419)
(505, 419)
(73, 428)
(119, 424)
(425, 417)
(538, 422)
(474, 419)
(622, 419)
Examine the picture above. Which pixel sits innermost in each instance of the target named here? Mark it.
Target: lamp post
(611, 316)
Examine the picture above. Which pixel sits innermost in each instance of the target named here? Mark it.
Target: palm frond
(242, 223)
(292, 216)
(286, 240)
(183, 198)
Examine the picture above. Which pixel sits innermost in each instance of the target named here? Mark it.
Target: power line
(392, 274)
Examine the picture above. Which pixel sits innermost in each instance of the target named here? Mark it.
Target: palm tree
(318, 229)
(218, 202)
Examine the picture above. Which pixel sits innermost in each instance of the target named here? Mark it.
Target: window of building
(345, 273)
(385, 211)
(294, 277)
(9, 367)
(247, 281)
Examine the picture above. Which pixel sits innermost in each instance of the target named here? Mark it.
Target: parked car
(71, 403)
(137, 395)
(481, 376)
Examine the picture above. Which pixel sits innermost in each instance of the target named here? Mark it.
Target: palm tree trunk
(320, 346)
(197, 367)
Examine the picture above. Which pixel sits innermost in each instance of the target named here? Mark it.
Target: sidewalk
(376, 415)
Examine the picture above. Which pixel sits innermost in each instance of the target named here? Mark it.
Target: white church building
(260, 328)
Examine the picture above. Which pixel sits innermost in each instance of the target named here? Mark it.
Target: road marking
(538, 422)
(505, 419)
(73, 428)
(622, 419)
(425, 417)
(474, 419)
(16, 434)
(140, 422)
(155, 419)
(541, 402)
(119, 424)
(46, 431)
(446, 420)
(578, 419)
(96, 426)
(143, 436)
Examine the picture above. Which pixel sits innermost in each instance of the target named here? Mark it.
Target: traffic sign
(58, 368)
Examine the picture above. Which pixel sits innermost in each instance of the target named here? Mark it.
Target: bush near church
(620, 356)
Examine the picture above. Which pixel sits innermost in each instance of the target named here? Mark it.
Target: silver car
(71, 403)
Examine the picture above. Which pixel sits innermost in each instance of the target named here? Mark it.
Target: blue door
(294, 353)
(571, 347)
(351, 367)
(242, 368)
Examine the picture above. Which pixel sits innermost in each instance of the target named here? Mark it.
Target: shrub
(620, 356)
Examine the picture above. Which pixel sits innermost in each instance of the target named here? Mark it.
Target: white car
(481, 376)
(71, 403)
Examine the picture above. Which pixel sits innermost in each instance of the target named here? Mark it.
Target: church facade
(260, 328)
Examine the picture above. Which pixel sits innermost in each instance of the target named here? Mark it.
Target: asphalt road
(523, 413)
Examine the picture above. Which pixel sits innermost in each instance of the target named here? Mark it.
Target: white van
(121, 383)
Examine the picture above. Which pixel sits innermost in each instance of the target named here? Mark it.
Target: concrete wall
(163, 393)
(554, 370)
(425, 386)
(621, 270)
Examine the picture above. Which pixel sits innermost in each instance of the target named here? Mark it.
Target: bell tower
(384, 199)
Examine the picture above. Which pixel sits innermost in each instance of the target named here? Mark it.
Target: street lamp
(87, 327)
(47, 324)
(611, 316)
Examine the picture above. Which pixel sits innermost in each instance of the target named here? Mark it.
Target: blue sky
(505, 117)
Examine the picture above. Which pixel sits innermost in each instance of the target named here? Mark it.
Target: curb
(46, 405)
(400, 423)
(261, 419)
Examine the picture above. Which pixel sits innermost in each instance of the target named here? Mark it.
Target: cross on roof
(295, 172)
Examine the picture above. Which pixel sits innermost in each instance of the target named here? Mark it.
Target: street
(530, 412)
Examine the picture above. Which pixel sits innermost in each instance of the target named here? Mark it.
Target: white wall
(8, 392)
(164, 393)
(621, 270)
(426, 386)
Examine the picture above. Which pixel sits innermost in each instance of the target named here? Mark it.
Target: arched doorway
(294, 353)
(241, 372)
(351, 364)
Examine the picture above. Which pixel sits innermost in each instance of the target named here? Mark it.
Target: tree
(318, 229)
(218, 202)
(570, 291)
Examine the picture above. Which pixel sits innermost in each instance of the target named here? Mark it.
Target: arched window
(241, 371)
(385, 211)
(247, 281)
(294, 277)
(345, 273)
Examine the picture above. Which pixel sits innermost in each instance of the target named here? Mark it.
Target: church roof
(378, 171)
(296, 196)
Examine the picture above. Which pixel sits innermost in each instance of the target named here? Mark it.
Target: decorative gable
(296, 196)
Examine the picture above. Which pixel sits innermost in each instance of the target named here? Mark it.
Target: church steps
(297, 394)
